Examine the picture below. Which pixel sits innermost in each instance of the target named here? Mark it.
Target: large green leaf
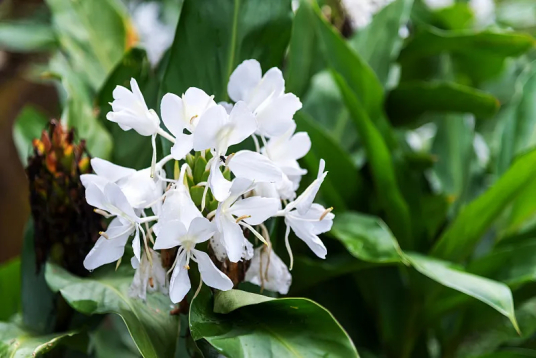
(367, 238)
(17, 342)
(411, 99)
(10, 286)
(28, 125)
(258, 326)
(360, 78)
(343, 186)
(459, 240)
(93, 34)
(129, 148)
(379, 43)
(381, 164)
(28, 36)
(153, 329)
(493, 293)
(214, 36)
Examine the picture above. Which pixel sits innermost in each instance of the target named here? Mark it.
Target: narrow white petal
(306, 232)
(232, 237)
(210, 274)
(219, 186)
(110, 171)
(172, 111)
(180, 282)
(255, 167)
(136, 244)
(244, 79)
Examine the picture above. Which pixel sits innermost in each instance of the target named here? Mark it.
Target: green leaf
(381, 164)
(495, 294)
(129, 148)
(458, 241)
(343, 185)
(411, 99)
(361, 80)
(28, 36)
(16, 342)
(10, 286)
(151, 326)
(93, 34)
(28, 125)
(111, 339)
(257, 326)
(205, 52)
(367, 238)
(379, 43)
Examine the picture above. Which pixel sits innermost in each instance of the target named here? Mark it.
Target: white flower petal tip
(269, 271)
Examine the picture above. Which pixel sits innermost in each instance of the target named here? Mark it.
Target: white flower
(265, 96)
(139, 188)
(269, 271)
(304, 201)
(111, 245)
(174, 233)
(235, 212)
(184, 113)
(218, 130)
(131, 112)
(150, 276)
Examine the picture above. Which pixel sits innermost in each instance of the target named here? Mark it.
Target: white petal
(140, 189)
(183, 145)
(259, 209)
(196, 103)
(110, 171)
(315, 213)
(172, 111)
(88, 179)
(136, 91)
(179, 206)
(210, 274)
(95, 197)
(208, 127)
(117, 199)
(219, 186)
(305, 231)
(201, 229)
(243, 122)
(277, 278)
(109, 250)
(271, 86)
(241, 186)
(228, 106)
(169, 234)
(232, 236)
(136, 245)
(276, 118)
(304, 201)
(300, 144)
(244, 79)
(180, 282)
(255, 167)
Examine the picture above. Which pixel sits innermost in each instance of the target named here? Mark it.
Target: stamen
(103, 213)
(256, 141)
(118, 263)
(105, 235)
(153, 160)
(253, 231)
(228, 160)
(193, 117)
(289, 250)
(327, 211)
(147, 252)
(242, 218)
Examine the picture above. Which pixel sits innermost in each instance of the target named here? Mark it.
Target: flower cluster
(215, 196)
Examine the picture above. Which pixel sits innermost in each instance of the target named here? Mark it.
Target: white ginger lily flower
(175, 233)
(265, 96)
(111, 244)
(234, 212)
(183, 113)
(150, 276)
(139, 188)
(269, 271)
(218, 130)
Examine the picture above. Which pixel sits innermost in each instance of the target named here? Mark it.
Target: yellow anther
(105, 235)
(193, 117)
(242, 218)
(187, 267)
(328, 210)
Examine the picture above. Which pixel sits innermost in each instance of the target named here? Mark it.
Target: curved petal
(196, 103)
(244, 79)
(172, 111)
(305, 231)
(232, 237)
(88, 179)
(95, 197)
(180, 282)
(271, 86)
(183, 145)
(115, 196)
(136, 244)
(179, 206)
(208, 127)
(210, 274)
(219, 186)
(139, 189)
(255, 167)
(110, 171)
(300, 144)
(137, 93)
(109, 250)
(276, 118)
(201, 230)
(169, 234)
(243, 121)
(256, 208)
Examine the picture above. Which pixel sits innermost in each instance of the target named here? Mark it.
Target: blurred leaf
(458, 241)
(205, 53)
(343, 185)
(258, 326)
(379, 43)
(493, 293)
(366, 237)
(27, 36)
(153, 329)
(361, 80)
(10, 286)
(111, 339)
(17, 342)
(459, 16)
(410, 100)
(382, 167)
(28, 125)
(129, 148)
(93, 34)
